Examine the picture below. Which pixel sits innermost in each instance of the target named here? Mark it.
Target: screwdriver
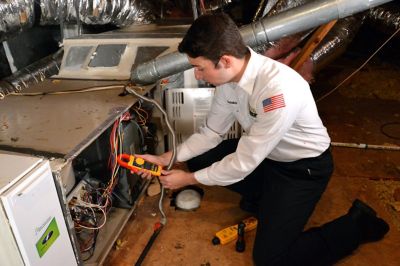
(240, 243)
(229, 234)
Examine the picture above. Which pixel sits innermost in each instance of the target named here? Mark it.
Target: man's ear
(226, 61)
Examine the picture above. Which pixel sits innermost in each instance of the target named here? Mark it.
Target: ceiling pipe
(267, 29)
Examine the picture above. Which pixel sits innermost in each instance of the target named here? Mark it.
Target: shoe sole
(364, 207)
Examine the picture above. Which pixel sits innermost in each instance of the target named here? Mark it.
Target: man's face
(205, 69)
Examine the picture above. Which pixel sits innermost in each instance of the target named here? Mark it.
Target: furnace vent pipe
(268, 29)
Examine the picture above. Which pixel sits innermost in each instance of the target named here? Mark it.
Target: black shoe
(372, 228)
(248, 205)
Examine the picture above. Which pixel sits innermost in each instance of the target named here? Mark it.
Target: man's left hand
(174, 179)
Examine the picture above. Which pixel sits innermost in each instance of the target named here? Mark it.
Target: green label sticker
(48, 238)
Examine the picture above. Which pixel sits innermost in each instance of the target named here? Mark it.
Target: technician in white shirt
(282, 163)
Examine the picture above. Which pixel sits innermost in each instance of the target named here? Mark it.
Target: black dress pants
(287, 193)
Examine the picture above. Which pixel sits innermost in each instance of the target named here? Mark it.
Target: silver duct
(387, 16)
(31, 74)
(269, 6)
(302, 18)
(53, 11)
(260, 10)
(268, 29)
(283, 5)
(18, 15)
(214, 5)
(15, 15)
(336, 41)
(276, 7)
(96, 12)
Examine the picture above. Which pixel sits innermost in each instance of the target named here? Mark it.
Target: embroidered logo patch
(252, 111)
(273, 103)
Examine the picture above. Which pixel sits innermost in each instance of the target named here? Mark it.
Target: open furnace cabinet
(80, 136)
(81, 133)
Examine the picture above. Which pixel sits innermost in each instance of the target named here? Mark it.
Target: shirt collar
(249, 76)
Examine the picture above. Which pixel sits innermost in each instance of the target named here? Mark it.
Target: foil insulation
(283, 5)
(386, 16)
(214, 5)
(32, 74)
(268, 7)
(97, 12)
(260, 10)
(15, 15)
(52, 10)
(336, 41)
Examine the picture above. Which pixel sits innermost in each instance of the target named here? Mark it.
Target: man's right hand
(162, 160)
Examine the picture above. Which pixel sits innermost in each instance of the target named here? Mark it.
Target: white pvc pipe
(365, 146)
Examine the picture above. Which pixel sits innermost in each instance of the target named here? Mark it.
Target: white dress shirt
(274, 106)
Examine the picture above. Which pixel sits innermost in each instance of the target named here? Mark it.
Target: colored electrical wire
(131, 89)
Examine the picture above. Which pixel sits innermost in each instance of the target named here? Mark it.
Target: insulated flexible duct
(97, 12)
(283, 5)
(31, 74)
(213, 5)
(336, 41)
(15, 16)
(387, 16)
(333, 45)
(268, 29)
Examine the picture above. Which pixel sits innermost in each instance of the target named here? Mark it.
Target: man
(282, 163)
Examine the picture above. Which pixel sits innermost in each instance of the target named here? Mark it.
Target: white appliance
(32, 225)
(187, 109)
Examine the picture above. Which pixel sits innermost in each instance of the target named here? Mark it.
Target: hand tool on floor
(230, 233)
(240, 245)
(157, 229)
(163, 221)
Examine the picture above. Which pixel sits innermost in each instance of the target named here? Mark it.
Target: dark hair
(213, 36)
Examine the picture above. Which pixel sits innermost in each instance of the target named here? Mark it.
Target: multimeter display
(138, 164)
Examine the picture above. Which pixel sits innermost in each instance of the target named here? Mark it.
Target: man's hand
(174, 179)
(162, 160)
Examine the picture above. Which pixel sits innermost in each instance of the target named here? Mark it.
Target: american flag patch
(273, 103)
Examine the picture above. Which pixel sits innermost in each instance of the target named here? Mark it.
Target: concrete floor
(371, 175)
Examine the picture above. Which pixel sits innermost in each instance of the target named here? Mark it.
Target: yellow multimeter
(138, 164)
